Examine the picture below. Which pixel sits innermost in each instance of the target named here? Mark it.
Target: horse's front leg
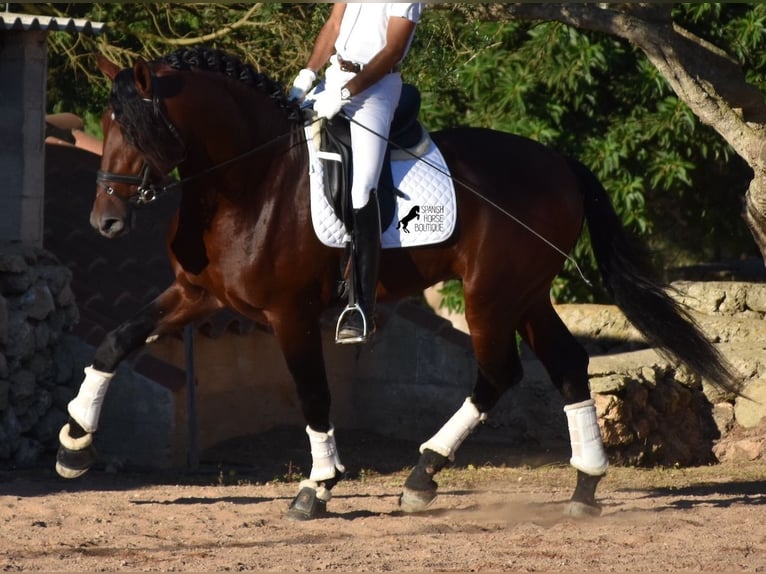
(299, 336)
(172, 309)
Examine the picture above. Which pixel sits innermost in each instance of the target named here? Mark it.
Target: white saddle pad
(424, 214)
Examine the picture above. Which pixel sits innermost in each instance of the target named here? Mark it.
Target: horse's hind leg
(169, 311)
(567, 365)
(499, 369)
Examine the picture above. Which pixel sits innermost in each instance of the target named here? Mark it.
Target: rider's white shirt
(364, 25)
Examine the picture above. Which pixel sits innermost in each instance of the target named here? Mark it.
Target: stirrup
(349, 310)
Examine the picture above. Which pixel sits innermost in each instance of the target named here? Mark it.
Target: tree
(274, 38)
(712, 81)
(596, 98)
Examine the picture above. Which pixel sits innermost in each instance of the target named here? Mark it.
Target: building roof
(15, 21)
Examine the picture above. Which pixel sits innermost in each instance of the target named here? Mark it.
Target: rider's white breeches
(374, 109)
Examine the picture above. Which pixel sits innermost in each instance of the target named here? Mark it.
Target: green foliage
(275, 38)
(672, 180)
(452, 296)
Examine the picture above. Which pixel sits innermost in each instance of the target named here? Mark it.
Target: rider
(365, 44)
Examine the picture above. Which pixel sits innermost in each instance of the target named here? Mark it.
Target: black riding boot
(365, 252)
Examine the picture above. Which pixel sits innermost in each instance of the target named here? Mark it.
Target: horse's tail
(628, 276)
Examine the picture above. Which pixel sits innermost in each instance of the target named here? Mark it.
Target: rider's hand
(302, 84)
(329, 103)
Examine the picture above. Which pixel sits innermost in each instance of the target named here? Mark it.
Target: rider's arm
(397, 37)
(324, 46)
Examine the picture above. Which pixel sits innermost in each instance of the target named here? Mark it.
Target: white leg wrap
(324, 454)
(85, 408)
(455, 431)
(588, 454)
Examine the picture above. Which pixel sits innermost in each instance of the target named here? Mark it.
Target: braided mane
(210, 60)
(148, 133)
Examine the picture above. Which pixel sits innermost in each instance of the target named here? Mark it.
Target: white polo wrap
(324, 455)
(588, 454)
(85, 408)
(455, 431)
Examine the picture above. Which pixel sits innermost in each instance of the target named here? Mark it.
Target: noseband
(145, 191)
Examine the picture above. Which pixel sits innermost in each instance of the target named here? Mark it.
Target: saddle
(335, 142)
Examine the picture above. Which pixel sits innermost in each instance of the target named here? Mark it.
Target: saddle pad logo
(428, 219)
(425, 211)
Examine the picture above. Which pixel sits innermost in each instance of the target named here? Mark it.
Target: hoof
(411, 501)
(581, 510)
(74, 463)
(306, 506)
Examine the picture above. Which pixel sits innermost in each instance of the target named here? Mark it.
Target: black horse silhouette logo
(413, 214)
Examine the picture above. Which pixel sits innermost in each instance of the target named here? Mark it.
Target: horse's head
(197, 109)
(127, 177)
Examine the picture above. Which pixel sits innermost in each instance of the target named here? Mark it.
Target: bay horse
(242, 239)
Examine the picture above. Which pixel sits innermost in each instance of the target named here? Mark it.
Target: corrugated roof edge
(14, 21)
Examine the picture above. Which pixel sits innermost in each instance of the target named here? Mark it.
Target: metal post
(191, 399)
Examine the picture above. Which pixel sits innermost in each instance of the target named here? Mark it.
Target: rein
(478, 194)
(148, 193)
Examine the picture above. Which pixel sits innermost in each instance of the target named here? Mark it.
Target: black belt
(356, 67)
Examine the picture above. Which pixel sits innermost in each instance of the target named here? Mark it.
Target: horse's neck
(269, 173)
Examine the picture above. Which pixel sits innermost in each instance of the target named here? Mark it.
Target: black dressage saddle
(406, 132)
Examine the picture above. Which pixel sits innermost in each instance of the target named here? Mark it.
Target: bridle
(147, 192)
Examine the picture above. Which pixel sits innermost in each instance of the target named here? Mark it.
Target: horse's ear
(109, 68)
(143, 77)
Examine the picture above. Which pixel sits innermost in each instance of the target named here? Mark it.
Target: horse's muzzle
(111, 226)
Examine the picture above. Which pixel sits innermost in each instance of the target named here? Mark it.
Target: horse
(414, 213)
(241, 239)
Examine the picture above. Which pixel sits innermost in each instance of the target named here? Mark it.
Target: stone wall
(655, 412)
(37, 310)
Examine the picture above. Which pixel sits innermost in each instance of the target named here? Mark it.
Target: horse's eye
(109, 190)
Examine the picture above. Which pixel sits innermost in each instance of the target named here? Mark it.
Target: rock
(36, 309)
(47, 428)
(23, 386)
(723, 416)
(749, 410)
(11, 261)
(3, 321)
(38, 302)
(27, 453)
(5, 387)
(742, 444)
